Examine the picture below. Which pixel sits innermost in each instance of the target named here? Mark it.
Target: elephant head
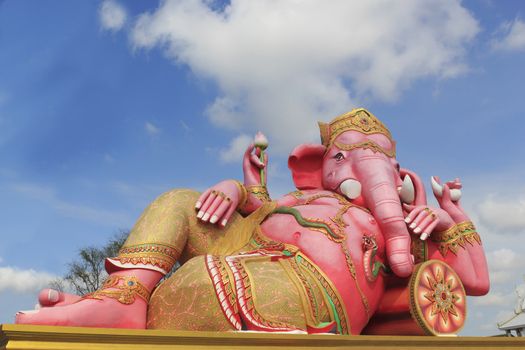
(357, 159)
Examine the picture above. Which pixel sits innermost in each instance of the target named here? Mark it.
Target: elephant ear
(306, 164)
(420, 194)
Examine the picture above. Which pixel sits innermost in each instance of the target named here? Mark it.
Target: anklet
(124, 293)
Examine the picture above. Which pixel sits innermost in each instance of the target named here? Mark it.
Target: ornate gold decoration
(369, 144)
(297, 194)
(330, 291)
(245, 298)
(337, 235)
(260, 241)
(226, 296)
(456, 236)
(358, 119)
(156, 254)
(244, 194)
(351, 268)
(437, 298)
(124, 293)
(260, 192)
(310, 304)
(441, 296)
(341, 199)
(419, 250)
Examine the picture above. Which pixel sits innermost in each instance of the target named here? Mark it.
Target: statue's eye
(339, 156)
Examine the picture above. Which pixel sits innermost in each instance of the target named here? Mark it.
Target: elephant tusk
(407, 191)
(351, 188)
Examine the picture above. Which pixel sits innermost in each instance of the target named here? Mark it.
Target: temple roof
(516, 321)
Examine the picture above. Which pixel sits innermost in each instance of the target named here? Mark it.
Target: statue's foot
(121, 303)
(105, 313)
(52, 297)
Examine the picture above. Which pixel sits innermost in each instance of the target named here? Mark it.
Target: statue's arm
(460, 245)
(255, 164)
(217, 204)
(450, 236)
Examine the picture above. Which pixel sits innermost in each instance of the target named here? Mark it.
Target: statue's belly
(338, 252)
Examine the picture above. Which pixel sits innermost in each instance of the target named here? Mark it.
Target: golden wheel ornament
(438, 301)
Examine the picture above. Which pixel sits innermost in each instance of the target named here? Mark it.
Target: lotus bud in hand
(261, 142)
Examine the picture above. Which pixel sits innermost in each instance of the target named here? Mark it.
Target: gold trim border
(76, 338)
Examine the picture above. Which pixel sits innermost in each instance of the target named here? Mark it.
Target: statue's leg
(187, 301)
(208, 293)
(155, 243)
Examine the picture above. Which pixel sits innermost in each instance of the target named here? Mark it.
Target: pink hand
(252, 166)
(452, 207)
(218, 203)
(423, 219)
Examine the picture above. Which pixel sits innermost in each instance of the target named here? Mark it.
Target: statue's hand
(448, 196)
(252, 166)
(422, 219)
(218, 202)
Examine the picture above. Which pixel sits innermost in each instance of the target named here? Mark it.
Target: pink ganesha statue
(355, 249)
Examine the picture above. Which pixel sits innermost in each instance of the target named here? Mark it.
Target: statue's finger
(413, 214)
(419, 219)
(446, 194)
(249, 149)
(207, 203)
(454, 184)
(213, 206)
(221, 209)
(228, 215)
(202, 198)
(425, 223)
(426, 233)
(256, 161)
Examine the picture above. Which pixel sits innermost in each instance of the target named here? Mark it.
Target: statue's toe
(52, 297)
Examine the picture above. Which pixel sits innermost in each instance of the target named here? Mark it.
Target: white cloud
(236, 149)
(506, 259)
(510, 37)
(23, 281)
(502, 214)
(504, 265)
(280, 67)
(112, 15)
(47, 195)
(495, 299)
(151, 129)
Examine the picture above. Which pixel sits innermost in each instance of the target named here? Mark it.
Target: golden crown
(358, 119)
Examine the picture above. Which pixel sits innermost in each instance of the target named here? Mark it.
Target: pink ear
(306, 164)
(421, 196)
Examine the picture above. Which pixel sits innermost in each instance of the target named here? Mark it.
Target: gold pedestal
(49, 337)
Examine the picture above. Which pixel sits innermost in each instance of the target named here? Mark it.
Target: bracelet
(455, 237)
(243, 192)
(260, 192)
(124, 293)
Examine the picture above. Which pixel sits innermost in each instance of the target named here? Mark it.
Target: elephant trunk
(381, 197)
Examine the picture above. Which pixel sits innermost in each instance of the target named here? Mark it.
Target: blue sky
(106, 104)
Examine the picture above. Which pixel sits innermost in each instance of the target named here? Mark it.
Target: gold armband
(124, 293)
(260, 192)
(455, 237)
(244, 194)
